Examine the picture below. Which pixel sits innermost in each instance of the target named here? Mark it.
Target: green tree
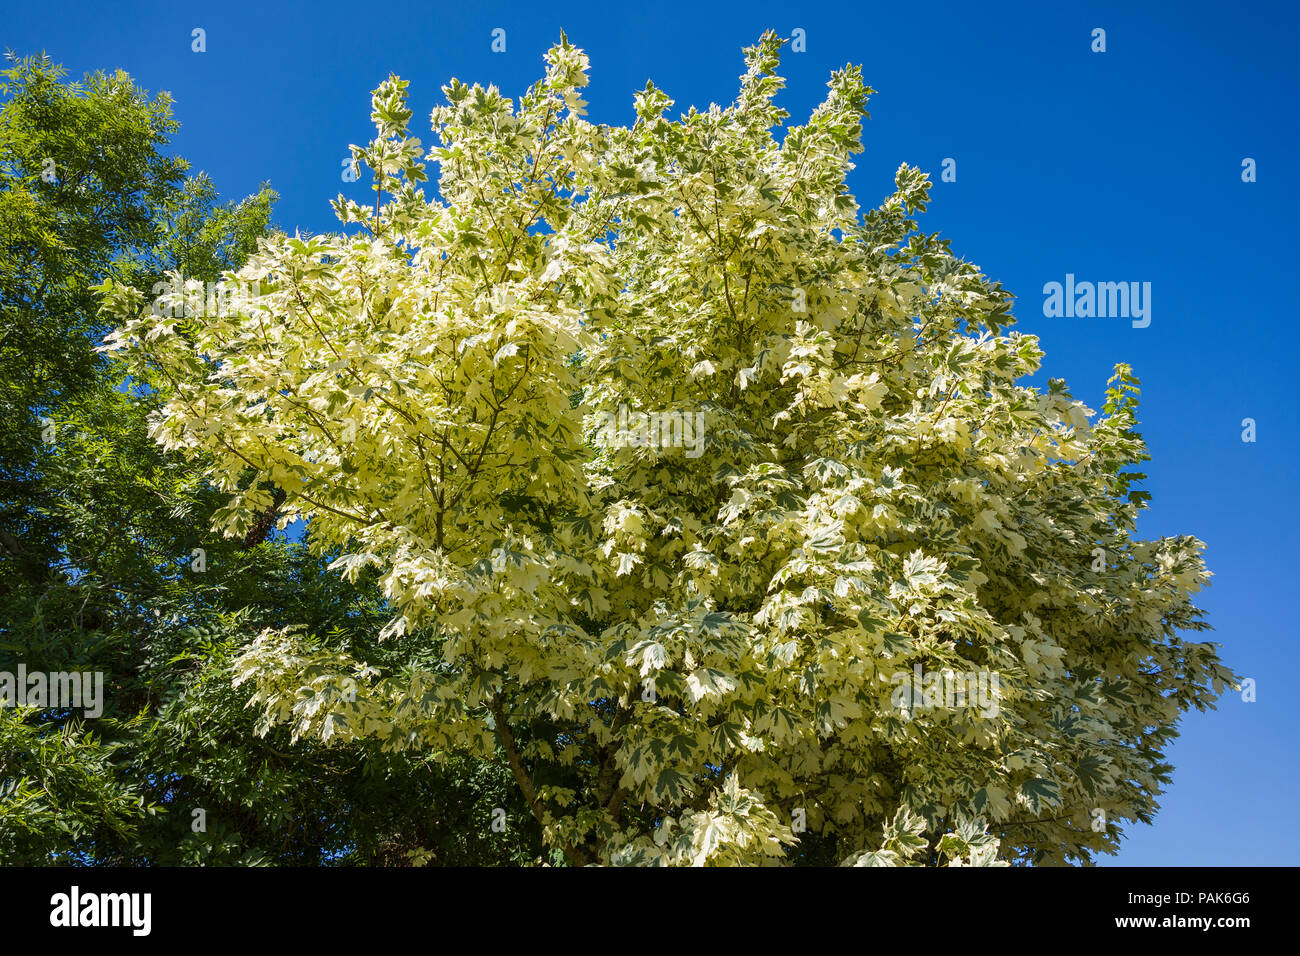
(675, 468)
(102, 531)
(80, 175)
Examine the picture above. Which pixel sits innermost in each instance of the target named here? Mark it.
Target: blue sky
(1117, 166)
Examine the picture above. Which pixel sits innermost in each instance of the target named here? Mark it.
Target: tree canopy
(99, 528)
(688, 654)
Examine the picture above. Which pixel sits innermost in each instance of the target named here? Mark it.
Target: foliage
(679, 656)
(98, 532)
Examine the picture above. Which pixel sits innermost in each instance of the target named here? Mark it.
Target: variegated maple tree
(691, 658)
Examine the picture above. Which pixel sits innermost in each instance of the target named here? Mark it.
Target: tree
(694, 491)
(80, 175)
(101, 532)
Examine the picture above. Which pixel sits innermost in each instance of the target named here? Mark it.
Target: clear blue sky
(1115, 166)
